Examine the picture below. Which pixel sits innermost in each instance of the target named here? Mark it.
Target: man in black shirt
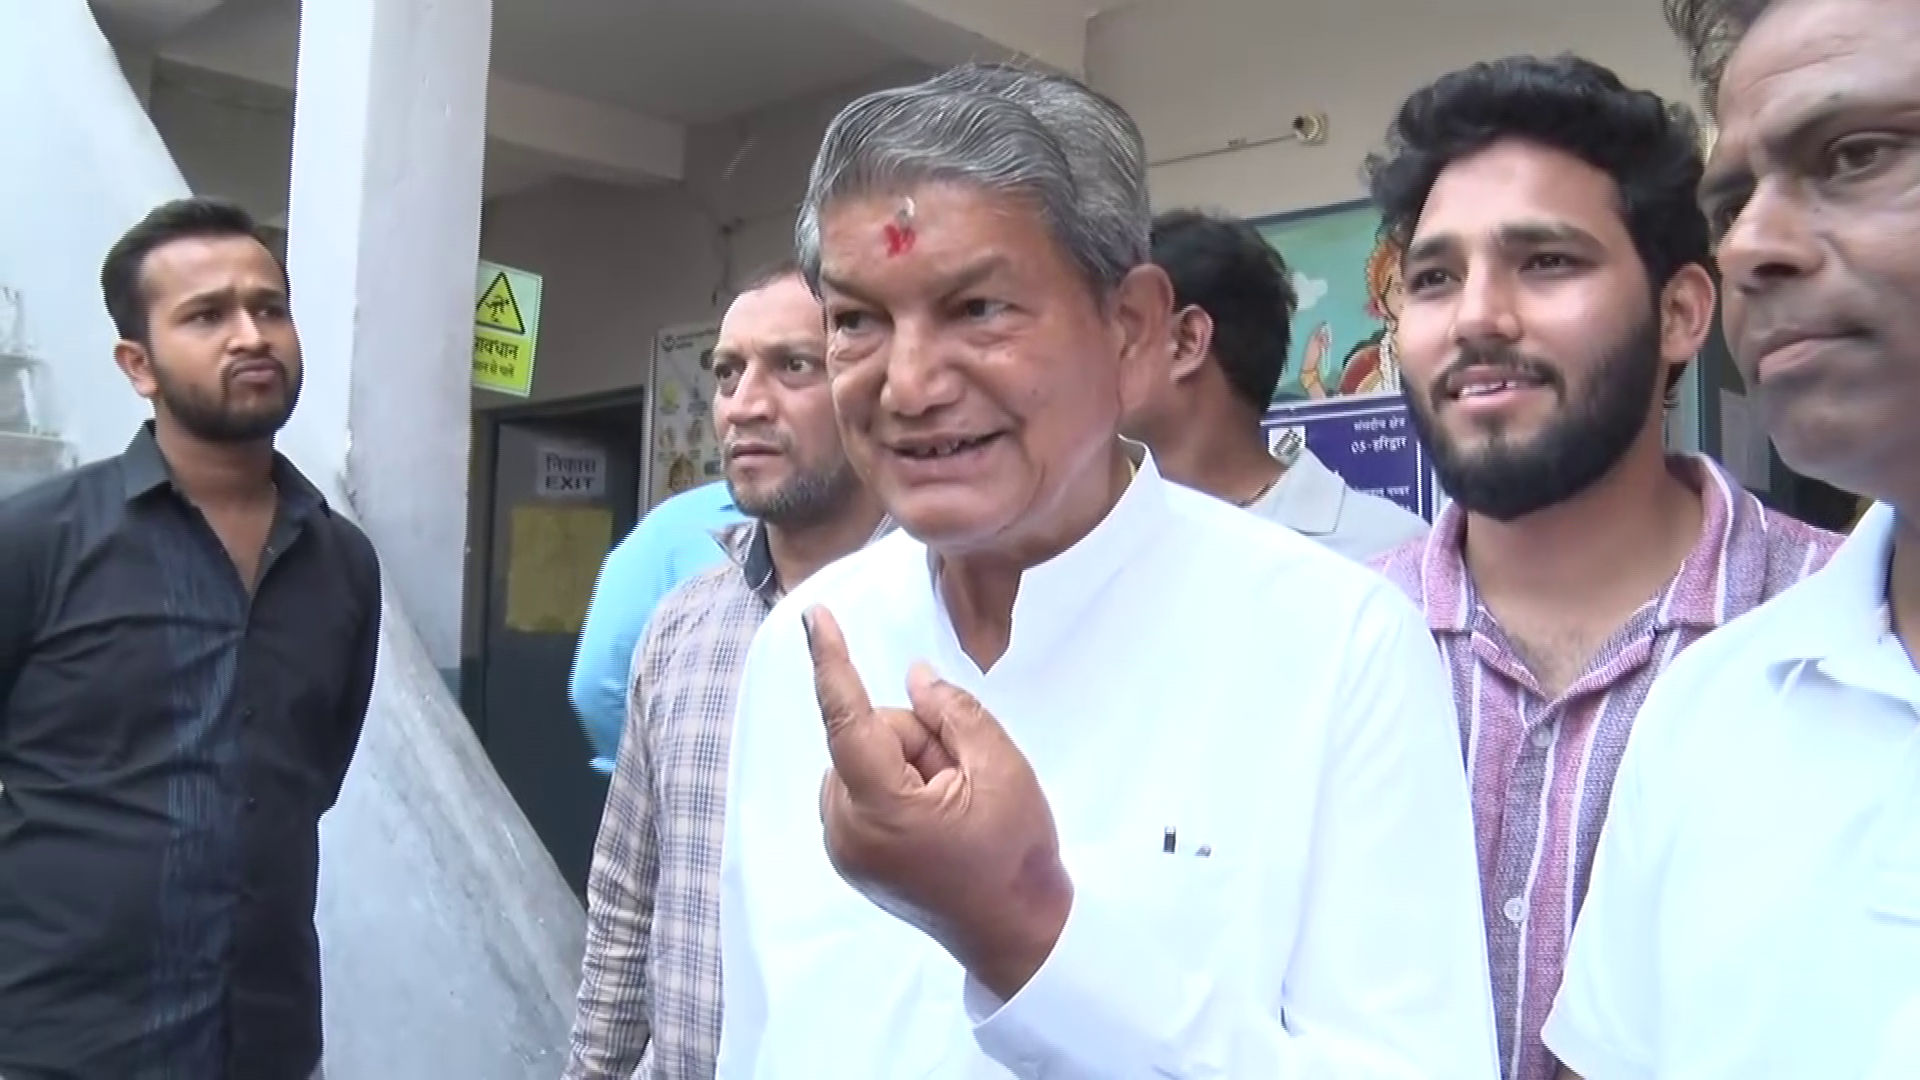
(187, 639)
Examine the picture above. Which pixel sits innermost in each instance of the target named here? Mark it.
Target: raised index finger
(843, 697)
(867, 755)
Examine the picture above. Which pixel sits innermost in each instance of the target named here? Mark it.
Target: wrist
(1012, 952)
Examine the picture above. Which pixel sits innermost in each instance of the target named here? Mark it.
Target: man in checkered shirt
(649, 1003)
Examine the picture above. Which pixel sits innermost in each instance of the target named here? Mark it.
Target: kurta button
(1515, 910)
(1543, 738)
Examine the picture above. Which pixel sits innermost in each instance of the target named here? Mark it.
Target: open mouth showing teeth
(945, 449)
(1487, 389)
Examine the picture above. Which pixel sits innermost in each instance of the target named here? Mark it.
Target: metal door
(564, 490)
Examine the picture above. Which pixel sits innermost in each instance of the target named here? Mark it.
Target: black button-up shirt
(168, 742)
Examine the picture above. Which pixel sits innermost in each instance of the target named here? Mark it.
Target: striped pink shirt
(1542, 770)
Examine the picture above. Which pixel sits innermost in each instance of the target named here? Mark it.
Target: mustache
(278, 365)
(1504, 359)
(737, 439)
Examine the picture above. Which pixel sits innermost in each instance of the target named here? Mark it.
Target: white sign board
(570, 472)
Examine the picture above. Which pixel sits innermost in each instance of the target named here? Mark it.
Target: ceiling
(692, 61)
(688, 62)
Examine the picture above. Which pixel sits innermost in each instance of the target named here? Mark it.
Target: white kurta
(1320, 916)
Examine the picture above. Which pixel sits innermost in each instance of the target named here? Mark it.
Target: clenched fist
(935, 815)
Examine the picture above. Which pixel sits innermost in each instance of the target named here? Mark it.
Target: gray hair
(1077, 157)
(1709, 31)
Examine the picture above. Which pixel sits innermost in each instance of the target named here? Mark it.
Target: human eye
(1550, 261)
(847, 320)
(1854, 157)
(981, 308)
(1426, 279)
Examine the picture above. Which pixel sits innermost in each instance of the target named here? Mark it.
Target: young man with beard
(1755, 909)
(1556, 287)
(650, 991)
(187, 639)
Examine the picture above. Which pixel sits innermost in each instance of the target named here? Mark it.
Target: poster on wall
(1340, 393)
(1368, 441)
(682, 452)
(1346, 275)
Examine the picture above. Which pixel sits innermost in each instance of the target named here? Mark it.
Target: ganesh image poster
(1346, 274)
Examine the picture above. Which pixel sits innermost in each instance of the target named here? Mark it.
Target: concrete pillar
(450, 944)
(383, 235)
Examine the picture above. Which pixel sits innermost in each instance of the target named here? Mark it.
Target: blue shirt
(671, 544)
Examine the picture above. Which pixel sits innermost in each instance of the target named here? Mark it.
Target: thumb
(866, 753)
(956, 718)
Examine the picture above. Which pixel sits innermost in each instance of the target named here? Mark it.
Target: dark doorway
(564, 486)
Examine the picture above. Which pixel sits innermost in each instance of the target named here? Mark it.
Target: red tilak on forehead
(899, 231)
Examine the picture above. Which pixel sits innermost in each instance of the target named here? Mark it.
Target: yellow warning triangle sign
(498, 309)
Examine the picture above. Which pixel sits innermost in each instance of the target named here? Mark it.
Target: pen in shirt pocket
(1170, 845)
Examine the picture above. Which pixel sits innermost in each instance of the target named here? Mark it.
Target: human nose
(750, 404)
(1484, 311)
(920, 377)
(1769, 241)
(247, 334)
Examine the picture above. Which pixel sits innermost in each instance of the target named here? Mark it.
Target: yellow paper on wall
(553, 557)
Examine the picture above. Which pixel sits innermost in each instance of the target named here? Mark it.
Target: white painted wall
(620, 263)
(83, 165)
(1197, 73)
(1194, 73)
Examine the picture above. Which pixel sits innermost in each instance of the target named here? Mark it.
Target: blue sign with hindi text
(1368, 441)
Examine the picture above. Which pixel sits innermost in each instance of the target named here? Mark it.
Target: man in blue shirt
(673, 542)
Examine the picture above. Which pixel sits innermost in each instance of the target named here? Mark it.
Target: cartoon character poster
(1346, 274)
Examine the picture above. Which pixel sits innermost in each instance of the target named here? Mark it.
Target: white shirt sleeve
(1605, 1021)
(1388, 979)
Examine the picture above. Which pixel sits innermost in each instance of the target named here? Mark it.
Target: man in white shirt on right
(1755, 906)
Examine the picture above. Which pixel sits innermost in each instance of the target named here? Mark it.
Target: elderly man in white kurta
(1029, 789)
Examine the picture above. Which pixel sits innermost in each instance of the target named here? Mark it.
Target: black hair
(1227, 269)
(1709, 30)
(770, 274)
(1649, 146)
(122, 276)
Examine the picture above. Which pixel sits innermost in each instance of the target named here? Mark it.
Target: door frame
(486, 428)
